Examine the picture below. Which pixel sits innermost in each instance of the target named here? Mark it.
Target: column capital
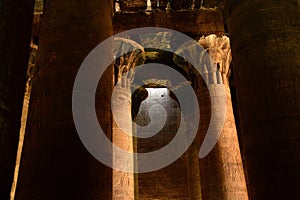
(128, 55)
(218, 47)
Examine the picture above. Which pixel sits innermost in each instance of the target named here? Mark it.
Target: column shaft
(194, 182)
(123, 182)
(55, 164)
(222, 173)
(265, 39)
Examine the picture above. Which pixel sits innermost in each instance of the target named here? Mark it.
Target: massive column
(15, 29)
(222, 173)
(131, 55)
(265, 39)
(55, 164)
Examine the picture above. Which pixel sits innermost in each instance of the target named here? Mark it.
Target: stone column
(265, 39)
(55, 164)
(193, 170)
(222, 173)
(15, 29)
(124, 182)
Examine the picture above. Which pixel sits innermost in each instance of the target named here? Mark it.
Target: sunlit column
(131, 55)
(222, 173)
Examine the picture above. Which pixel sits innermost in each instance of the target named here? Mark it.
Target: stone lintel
(193, 23)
